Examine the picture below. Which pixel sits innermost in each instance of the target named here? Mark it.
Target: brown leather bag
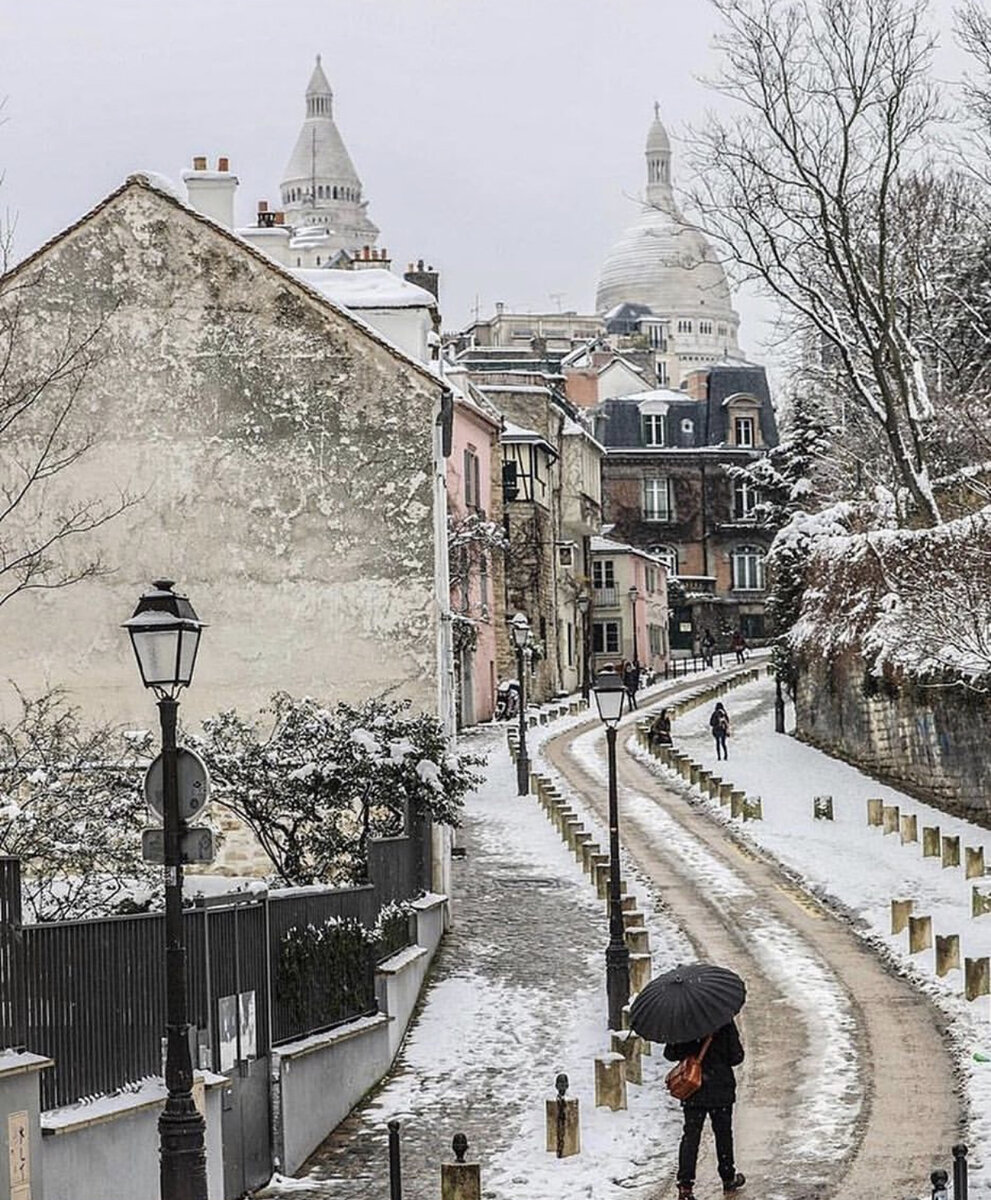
(685, 1078)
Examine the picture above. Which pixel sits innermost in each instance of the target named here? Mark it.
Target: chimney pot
(419, 264)
(409, 267)
(223, 164)
(384, 254)
(199, 162)
(263, 206)
(280, 218)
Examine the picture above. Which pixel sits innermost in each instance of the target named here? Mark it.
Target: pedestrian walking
(708, 647)
(659, 732)
(719, 724)
(739, 646)
(631, 681)
(714, 1099)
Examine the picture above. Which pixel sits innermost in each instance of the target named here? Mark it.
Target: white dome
(661, 262)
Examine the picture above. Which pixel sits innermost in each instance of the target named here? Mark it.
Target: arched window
(335, 193)
(748, 569)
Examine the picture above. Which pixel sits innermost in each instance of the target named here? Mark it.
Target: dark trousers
(722, 1129)
(721, 751)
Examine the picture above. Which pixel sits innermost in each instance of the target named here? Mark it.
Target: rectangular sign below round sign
(196, 845)
(194, 785)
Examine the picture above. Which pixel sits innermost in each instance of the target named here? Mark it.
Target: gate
(237, 989)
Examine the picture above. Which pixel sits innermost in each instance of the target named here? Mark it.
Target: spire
(319, 96)
(658, 151)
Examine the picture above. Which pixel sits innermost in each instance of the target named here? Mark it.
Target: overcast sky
(502, 140)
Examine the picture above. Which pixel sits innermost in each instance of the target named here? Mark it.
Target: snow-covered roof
(604, 545)
(372, 287)
(573, 428)
(669, 395)
(516, 433)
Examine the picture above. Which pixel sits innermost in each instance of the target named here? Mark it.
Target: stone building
(667, 489)
(284, 461)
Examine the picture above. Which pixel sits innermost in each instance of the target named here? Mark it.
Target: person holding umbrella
(691, 1009)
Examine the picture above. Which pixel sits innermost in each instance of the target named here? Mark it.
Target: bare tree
(42, 534)
(801, 190)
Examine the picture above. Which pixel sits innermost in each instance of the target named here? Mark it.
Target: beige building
(284, 461)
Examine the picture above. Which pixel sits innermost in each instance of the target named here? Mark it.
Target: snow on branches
(318, 782)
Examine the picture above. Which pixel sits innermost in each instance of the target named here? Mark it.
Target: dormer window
(654, 429)
(744, 431)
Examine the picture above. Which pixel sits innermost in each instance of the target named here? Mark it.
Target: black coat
(718, 1081)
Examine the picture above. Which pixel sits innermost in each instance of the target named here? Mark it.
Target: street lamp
(165, 633)
(634, 596)
(583, 605)
(519, 627)
(610, 695)
(779, 706)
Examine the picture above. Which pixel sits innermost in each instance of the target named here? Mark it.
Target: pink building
(629, 611)
(474, 538)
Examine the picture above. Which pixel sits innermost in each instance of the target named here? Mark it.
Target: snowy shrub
(392, 931)
(72, 809)
(323, 972)
(317, 782)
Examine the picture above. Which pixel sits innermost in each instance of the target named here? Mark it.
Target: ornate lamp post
(634, 596)
(519, 627)
(165, 633)
(610, 695)
(583, 606)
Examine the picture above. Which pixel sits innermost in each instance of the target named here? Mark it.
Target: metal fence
(91, 994)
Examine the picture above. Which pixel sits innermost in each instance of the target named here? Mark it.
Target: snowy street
(836, 1097)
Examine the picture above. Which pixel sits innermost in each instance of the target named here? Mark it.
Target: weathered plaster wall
(279, 457)
(931, 740)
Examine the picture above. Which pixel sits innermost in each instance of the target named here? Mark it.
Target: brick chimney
(212, 192)
(425, 277)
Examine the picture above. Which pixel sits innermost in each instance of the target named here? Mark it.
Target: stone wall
(931, 741)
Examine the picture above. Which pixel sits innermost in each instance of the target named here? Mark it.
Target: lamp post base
(522, 772)
(779, 708)
(181, 1132)
(617, 982)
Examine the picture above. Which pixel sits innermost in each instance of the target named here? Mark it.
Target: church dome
(661, 262)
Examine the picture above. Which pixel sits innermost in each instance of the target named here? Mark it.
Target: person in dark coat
(708, 647)
(739, 646)
(715, 1099)
(659, 733)
(719, 724)
(631, 681)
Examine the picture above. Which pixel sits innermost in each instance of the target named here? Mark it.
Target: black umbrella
(687, 1003)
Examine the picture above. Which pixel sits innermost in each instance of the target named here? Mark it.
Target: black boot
(734, 1185)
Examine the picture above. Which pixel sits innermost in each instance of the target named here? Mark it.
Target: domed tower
(321, 188)
(662, 263)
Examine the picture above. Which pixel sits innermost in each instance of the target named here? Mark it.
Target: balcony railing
(605, 597)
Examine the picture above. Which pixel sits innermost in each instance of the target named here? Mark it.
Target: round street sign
(194, 785)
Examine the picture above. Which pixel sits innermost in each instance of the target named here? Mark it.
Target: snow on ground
(856, 867)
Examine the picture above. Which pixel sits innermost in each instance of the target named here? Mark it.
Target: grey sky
(499, 139)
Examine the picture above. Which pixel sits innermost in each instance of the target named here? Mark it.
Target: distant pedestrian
(739, 646)
(719, 724)
(631, 681)
(715, 1098)
(708, 647)
(659, 733)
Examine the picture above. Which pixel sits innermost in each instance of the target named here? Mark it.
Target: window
(722, 330)
(603, 574)
(657, 500)
(654, 429)
(745, 498)
(605, 637)
(651, 579)
(668, 556)
(705, 327)
(662, 373)
(566, 557)
(684, 327)
(473, 487)
(743, 431)
(748, 569)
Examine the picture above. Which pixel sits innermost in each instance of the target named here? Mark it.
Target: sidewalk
(517, 995)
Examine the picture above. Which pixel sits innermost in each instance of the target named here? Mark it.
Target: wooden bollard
(627, 903)
(951, 851)
(460, 1180)
(980, 901)
(712, 787)
(974, 862)
(875, 811)
(610, 1082)
(947, 954)
(564, 1137)
(645, 1049)
(639, 974)
(627, 1043)
(909, 829)
(822, 808)
(590, 851)
(694, 774)
(638, 940)
(920, 934)
(901, 910)
(632, 919)
(930, 841)
(753, 808)
(572, 827)
(685, 768)
(602, 877)
(976, 977)
(736, 801)
(580, 841)
(891, 818)
(725, 793)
